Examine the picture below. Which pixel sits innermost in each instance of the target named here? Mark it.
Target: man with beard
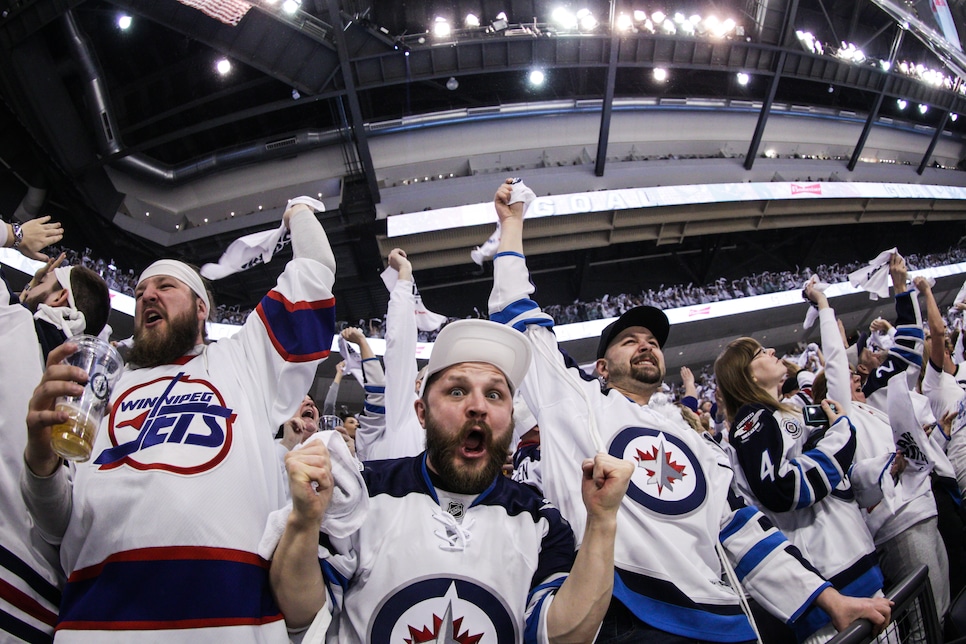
(158, 531)
(679, 513)
(450, 549)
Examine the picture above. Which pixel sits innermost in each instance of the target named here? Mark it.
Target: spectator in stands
(190, 435)
(495, 562)
(680, 517)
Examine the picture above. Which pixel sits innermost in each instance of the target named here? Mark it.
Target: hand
(945, 423)
(844, 610)
(340, 366)
(58, 380)
(349, 441)
(833, 415)
(687, 378)
(290, 212)
(960, 306)
(899, 273)
(37, 235)
(605, 483)
(41, 273)
(921, 284)
(353, 334)
(815, 295)
(879, 325)
(399, 261)
(501, 201)
(898, 466)
(310, 480)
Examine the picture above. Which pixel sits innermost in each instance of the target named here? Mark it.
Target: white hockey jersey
(679, 502)
(167, 514)
(427, 566)
(30, 575)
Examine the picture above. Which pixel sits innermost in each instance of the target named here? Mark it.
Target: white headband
(180, 271)
(63, 276)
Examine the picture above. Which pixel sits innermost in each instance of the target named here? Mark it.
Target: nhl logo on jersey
(668, 478)
(451, 610)
(456, 509)
(174, 424)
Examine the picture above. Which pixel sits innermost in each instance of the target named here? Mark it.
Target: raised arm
(295, 573)
(937, 328)
(579, 606)
(32, 237)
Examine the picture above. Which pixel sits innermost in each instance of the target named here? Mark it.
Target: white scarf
(68, 320)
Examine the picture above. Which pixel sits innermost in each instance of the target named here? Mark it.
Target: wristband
(17, 235)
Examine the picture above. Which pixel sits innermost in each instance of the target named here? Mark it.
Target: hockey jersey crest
(174, 423)
(668, 478)
(443, 609)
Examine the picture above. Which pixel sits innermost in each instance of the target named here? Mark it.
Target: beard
(154, 347)
(442, 449)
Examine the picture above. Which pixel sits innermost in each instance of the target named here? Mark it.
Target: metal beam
(933, 142)
(877, 105)
(772, 87)
(355, 110)
(608, 103)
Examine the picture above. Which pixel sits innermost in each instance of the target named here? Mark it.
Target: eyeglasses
(760, 351)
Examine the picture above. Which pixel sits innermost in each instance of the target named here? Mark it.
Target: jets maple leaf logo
(659, 466)
(445, 630)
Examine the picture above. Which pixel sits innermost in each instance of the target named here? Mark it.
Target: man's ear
(59, 298)
(202, 310)
(602, 368)
(420, 407)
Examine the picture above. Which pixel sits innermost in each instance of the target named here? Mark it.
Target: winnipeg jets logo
(175, 424)
(443, 610)
(659, 466)
(668, 478)
(445, 630)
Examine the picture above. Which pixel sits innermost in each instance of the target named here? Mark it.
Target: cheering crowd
(500, 494)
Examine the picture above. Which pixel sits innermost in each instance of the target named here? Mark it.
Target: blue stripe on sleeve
(738, 521)
(828, 466)
(299, 331)
(757, 554)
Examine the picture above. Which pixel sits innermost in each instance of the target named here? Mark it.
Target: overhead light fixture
(953, 116)
(441, 28)
(291, 6)
(742, 78)
(223, 66)
(658, 17)
(500, 22)
(537, 77)
(902, 104)
(660, 74)
(624, 22)
(564, 18)
(923, 108)
(586, 20)
(471, 21)
(501, 16)
(295, 94)
(124, 22)
(640, 16)
(452, 84)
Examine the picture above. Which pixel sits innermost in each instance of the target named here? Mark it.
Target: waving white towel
(350, 498)
(426, 320)
(874, 278)
(520, 193)
(812, 313)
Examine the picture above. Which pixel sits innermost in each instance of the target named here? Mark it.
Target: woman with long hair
(797, 475)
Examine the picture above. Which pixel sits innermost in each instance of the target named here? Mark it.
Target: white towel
(812, 313)
(426, 320)
(519, 193)
(350, 499)
(245, 252)
(70, 321)
(353, 361)
(874, 278)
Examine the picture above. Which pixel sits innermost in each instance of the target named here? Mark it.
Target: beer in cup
(74, 439)
(329, 423)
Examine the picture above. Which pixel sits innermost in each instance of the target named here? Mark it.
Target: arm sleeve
(328, 407)
(400, 361)
(372, 420)
(766, 563)
(49, 501)
(309, 239)
(906, 354)
(555, 561)
(837, 372)
(781, 484)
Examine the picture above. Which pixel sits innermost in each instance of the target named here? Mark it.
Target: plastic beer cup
(329, 423)
(74, 439)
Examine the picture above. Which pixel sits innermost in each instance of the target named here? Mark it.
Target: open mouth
(474, 444)
(150, 317)
(308, 414)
